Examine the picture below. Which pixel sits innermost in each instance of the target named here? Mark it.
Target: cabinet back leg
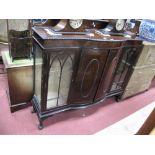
(33, 110)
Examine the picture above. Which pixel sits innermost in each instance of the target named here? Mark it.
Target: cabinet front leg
(118, 98)
(40, 126)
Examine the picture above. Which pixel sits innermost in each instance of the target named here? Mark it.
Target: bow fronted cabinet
(78, 69)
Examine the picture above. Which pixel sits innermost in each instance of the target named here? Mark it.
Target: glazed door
(129, 57)
(86, 75)
(108, 74)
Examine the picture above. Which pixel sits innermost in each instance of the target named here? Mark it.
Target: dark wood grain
(108, 74)
(86, 79)
(148, 125)
(20, 84)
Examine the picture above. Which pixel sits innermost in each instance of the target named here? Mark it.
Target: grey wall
(15, 24)
(3, 30)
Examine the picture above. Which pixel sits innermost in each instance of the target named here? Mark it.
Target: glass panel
(113, 87)
(53, 83)
(38, 73)
(126, 59)
(65, 81)
(120, 74)
(59, 80)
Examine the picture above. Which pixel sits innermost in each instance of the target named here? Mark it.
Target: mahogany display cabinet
(75, 70)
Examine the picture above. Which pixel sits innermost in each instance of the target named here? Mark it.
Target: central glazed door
(86, 75)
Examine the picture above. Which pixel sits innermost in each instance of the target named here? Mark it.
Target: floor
(153, 131)
(79, 122)
(130, 124)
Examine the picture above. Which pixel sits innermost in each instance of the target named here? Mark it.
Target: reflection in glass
(121, 71)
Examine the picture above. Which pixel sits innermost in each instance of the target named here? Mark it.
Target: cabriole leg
(40, 126)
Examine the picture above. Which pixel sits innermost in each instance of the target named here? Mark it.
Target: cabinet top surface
(46, 33)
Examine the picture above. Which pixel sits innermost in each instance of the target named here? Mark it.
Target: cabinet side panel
(20, 82)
